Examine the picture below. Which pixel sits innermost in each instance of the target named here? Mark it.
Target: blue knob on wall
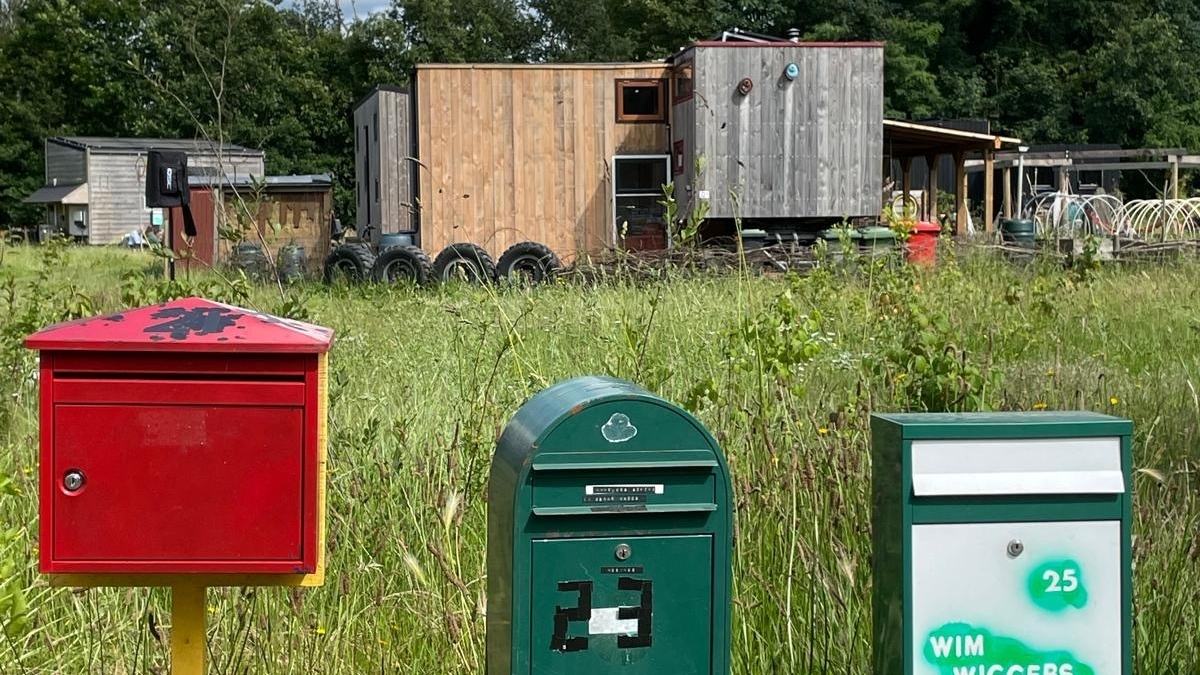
(791, 71)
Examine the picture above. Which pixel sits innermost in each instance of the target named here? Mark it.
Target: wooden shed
(384, 161)
(95, 187)
(277, 211)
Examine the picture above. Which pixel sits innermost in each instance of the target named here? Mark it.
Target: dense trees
(283, 76)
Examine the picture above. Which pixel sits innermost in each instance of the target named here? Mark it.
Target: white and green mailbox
(1001, 544)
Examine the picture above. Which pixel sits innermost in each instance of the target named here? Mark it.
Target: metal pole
(188, 638)
(170, 245)
(1021, 180)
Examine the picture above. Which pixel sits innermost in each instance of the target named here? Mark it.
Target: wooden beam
(1008, 194)
(931, 162)
(905, 183)
(960, 189)
(1174, 178)
(989, 187)
(1133, 153)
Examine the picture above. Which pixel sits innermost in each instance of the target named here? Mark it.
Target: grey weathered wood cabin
(783, 130)
(383, 147)
(95, 187)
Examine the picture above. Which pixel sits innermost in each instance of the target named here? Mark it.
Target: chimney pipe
(794, 34)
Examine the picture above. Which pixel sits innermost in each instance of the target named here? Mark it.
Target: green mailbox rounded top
(603, 422)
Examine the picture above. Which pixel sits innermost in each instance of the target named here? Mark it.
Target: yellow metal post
(189, 642)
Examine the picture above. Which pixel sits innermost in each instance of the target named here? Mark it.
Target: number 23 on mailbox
(609, 537)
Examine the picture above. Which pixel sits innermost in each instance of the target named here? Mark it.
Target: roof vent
(794, 34)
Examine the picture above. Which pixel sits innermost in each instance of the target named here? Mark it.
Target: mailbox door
(1042, 596)
(650, 613)
(180, 484)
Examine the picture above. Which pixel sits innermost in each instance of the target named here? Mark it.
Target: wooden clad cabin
(546, 153)
(576, 156)
(785, 129)
(95, 187)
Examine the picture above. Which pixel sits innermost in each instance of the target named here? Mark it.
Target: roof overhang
(60, 194)
(909, 139)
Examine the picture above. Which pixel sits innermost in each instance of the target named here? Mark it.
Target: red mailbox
(186, 437)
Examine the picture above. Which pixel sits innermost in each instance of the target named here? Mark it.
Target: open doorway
(639, 216)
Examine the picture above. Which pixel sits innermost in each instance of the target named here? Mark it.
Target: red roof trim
(786, 43)
(187, 325)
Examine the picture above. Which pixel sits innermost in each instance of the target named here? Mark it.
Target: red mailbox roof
(188, 324)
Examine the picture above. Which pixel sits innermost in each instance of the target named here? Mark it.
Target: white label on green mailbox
(1017, 598)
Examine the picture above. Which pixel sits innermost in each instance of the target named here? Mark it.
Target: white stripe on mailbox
(1019, 466)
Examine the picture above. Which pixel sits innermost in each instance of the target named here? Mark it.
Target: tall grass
(785, 371)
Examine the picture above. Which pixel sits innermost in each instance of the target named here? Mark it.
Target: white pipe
(1021, 181)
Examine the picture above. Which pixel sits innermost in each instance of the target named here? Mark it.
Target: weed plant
(785, 371)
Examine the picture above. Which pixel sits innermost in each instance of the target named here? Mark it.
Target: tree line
(284, 77)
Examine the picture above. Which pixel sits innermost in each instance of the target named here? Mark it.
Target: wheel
(351, 262)
(528, 261)
(401, 263)
(464, 261)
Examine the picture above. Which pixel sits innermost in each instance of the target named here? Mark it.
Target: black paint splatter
(185, 323)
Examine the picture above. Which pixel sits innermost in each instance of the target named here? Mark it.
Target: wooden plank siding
(383, 148)
(807, 148)
(302, 215)
(524, 153)
(117, 189)
(65, 165)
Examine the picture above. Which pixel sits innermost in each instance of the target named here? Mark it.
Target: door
(987, 598)
(178, 483)
(640, 218)
(640, 605)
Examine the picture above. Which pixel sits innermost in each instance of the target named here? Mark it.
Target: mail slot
(609, 537)
(1001, 543)
(185, 437)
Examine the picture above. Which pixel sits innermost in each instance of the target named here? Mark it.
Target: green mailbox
(610, 523)
(1001, 544)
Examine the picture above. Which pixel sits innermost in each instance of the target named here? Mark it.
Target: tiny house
(95, 189)
(568, 160)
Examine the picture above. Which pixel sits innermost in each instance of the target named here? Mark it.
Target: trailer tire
(529, 261)
(402, 263)
(467, 259)
(352, 261)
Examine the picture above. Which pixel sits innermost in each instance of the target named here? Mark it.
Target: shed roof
(185, 325)
(125, 146)
(60, 194)
(295, 182)
(909, 139)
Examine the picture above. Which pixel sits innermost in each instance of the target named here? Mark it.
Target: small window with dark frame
(641, 101)
(683, 82)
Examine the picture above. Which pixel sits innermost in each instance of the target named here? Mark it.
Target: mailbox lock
(73, 480)
(1015, 548)
(623, 552)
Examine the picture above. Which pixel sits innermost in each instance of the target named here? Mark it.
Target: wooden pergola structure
(904, 141)
(1070, 161)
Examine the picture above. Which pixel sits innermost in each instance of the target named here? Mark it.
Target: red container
(182, 438)
(922, 243)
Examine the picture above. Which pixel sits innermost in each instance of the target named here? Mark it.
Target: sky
(363, 7)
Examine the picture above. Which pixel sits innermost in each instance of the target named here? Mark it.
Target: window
(683, 81)
(641, 101)
(375, 126)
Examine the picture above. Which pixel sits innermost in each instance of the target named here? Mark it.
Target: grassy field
(784, 371)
